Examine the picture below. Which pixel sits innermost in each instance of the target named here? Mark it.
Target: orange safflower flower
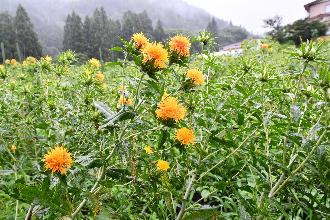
(180, 45)
(265, 46)
(196, 76)
(140, 41)
(156, 53)
(13, 62)
(124, 101)
(185, 136)
(58, 159)
(163, 165)
(170, 109)
(95, 63)
(100, 76)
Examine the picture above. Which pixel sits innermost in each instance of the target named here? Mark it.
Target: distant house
(319, 10)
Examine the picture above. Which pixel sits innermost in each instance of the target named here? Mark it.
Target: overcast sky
(250, 13)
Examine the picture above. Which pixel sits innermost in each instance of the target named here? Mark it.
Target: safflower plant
(147, 137)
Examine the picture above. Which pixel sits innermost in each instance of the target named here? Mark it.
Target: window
(327, 9)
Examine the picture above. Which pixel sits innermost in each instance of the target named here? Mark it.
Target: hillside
(48, 16)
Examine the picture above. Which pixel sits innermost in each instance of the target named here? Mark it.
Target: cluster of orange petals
(124, 100)
(155, 52)
(180, 45)
(185, 136)
(170, 109)
(265, 46)
(162, 165)
(100, 76)
(58, 159)
(196, 76)
(140, 41)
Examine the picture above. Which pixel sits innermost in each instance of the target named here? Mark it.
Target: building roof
(307, 6)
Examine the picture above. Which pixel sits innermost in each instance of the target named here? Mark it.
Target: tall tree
(25, 36)
(88, 37)
(128, 25)
(101, 30)
(7, 35)
(159, 33)
(298, 31)
(73, 33)
(144, 23)
(212, 27)
(134, 23)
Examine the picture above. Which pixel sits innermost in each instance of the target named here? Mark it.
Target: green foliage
(261, 125)
(7, 36)
(18, 36)
(299, 31)
(25, 36)
(73, 33)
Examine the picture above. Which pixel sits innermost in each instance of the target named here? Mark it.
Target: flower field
(167, 134)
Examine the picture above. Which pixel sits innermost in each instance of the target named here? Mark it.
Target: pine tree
(115, 35)
(144, 23)
(88, 37)
(7, 35)
(73, 34)
(25, 36)
(212, 27)
(128, 27)
(159, 33)
(101, 30)
(135, 23)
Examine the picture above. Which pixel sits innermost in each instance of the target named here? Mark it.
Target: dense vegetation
(297, 32)
(17, 37)
(163, 134)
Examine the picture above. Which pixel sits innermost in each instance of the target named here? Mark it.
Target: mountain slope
(48, 16)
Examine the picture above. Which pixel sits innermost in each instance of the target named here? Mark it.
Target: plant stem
(185, 198)
(138, 90)
(29, 213)
(229, 155)
(278, 187)
(300, 77)
(99, 177)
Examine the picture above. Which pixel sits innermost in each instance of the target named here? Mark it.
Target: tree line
(94, 35)
(17, 37)
(297, 32)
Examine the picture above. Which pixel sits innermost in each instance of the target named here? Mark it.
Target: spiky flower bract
(123, 100)
(48, 59)
(100, 76)
(95, 63)
(170, 109)
(196, 76)
(155, 57)
(12, 62)
(162, 165)
(58, 159)
(264, 46)
(185, 136)
(139, 40)
(180, 46)
(29, 61)
(148, 150)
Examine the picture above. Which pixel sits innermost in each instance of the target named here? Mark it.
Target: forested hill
(174, 14)
(48, 16)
